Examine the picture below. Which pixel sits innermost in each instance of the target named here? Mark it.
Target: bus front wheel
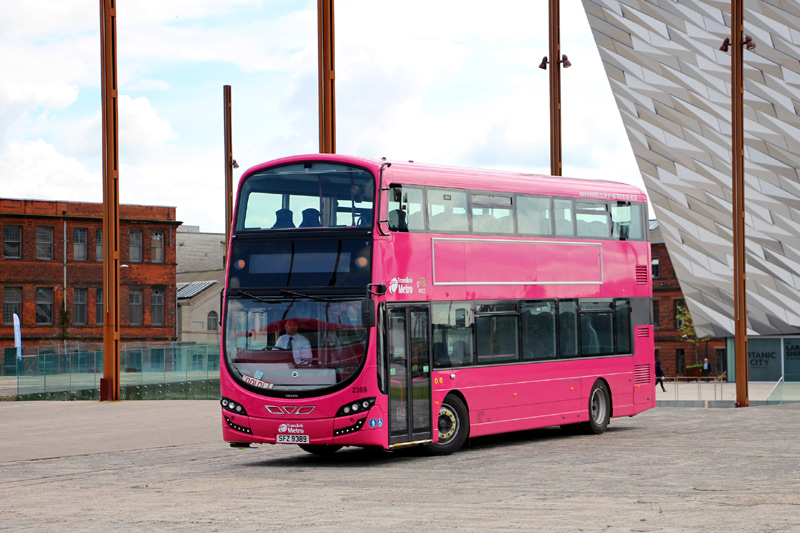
(599, 408)
(453, 425)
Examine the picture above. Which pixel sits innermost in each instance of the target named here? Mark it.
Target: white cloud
(142, 133)
(35, 170)
(147, 84)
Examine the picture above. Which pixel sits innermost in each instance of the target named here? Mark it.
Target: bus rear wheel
(320, 449)
(599, 408)
(453, 425)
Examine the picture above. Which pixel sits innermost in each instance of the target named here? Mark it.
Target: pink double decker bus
(385, 304)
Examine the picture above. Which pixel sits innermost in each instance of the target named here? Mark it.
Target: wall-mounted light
(564, 61)
(543, 64)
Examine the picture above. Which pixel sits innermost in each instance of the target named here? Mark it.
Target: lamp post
(554, 16)
(738, 42)
(230, 164)
(327, 80)
(109, 384)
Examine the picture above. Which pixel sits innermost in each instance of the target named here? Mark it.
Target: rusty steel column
(327, 80)
(739, 258)
(226, 95)
(109, 384)
(555, 88)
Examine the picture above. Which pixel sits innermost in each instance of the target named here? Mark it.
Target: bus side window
(538, 330)
(567, 328)
(622, 319)
(534, 215)
(406, 209)
(497, 338)
(627, 221)
(564, 217)
(447, 210)
(452, 334)
(592, 220)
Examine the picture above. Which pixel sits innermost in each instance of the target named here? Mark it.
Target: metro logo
(401, 285)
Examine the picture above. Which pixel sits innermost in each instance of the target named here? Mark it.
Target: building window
(654, 268)
(213, 321)
(680, 360)
(79, 244)
(98, 306)
(98, 245)
(157, 247)
(79, 307)
(44, 306)
(12, 242)
(12, 304)
(135, 307)
(655, 314)
(680, 310)
(136, 246)
(44, 243)
(157, 307)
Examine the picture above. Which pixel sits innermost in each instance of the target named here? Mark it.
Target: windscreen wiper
(293, 294)
(252, 296)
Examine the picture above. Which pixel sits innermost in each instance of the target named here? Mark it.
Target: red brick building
(674, 351)
(51, 272)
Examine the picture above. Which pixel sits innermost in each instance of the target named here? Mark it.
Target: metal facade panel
(676, 108)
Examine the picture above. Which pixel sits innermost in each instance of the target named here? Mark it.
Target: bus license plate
(293, 439)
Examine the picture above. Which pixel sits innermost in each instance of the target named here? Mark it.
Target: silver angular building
(672, 84)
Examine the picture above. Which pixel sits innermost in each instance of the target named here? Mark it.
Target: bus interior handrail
(384, 165)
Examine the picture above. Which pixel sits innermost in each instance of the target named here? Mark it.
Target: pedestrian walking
(660, 376)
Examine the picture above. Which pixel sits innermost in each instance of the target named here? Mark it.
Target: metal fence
(148, 371)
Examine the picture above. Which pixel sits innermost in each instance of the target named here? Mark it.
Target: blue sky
(447, 82)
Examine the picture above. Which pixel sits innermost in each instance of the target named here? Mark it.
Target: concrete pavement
(133, 466)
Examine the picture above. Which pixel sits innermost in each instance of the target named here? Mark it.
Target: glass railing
(717, 392)
(785, 392)
(148, 371)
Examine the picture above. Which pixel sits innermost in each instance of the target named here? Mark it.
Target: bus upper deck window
(406, 209)
(627, 221)
(534, 215)
(447, 210)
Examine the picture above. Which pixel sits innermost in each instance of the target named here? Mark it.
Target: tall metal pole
(327, 81)
(555, 88)
(226, 95)
(109, 385)
(739, 288)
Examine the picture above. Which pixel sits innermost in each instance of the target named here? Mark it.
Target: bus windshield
(313, 194)
(295, 345)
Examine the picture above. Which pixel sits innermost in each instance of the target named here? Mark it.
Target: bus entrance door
(409, 371)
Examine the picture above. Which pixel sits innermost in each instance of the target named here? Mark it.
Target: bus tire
(453, 426)
(599, 408)
(320, 449)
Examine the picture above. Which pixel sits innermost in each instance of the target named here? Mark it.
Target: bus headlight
(233, 407)
(358, 406)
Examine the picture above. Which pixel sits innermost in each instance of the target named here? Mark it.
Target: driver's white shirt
(301, 348)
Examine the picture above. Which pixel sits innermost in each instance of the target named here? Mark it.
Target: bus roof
(410, 173)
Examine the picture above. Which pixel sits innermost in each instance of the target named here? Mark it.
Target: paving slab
(142, 466)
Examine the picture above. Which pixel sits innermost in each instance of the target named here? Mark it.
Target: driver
(292, 340)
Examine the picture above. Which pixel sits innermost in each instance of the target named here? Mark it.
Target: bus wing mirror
(368, 313)
(376, 289)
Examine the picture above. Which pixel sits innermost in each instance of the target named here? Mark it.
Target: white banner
(17, 337)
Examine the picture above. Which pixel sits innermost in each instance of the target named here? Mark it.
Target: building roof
(188, 290)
